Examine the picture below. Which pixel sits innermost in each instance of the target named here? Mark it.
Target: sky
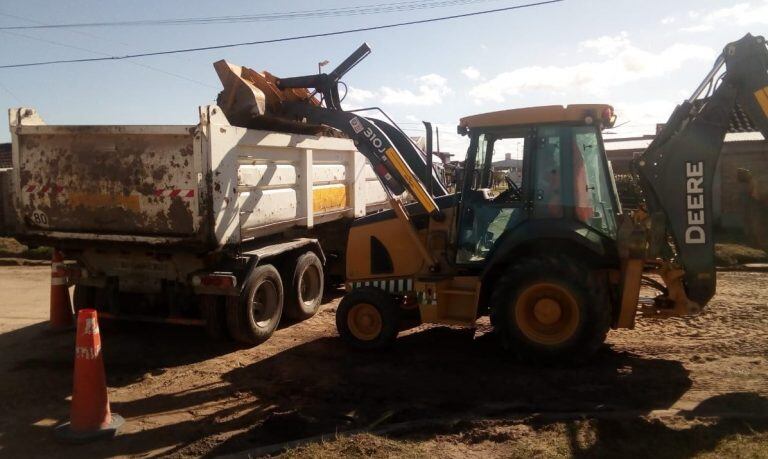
(641, 57)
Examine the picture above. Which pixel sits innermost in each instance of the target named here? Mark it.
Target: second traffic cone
(61, 307)
(90, 416)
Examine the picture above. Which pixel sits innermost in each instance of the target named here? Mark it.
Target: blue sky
(642, 57)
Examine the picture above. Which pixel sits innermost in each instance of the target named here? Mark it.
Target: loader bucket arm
(677, 170)
(253, 99)
(385, 158)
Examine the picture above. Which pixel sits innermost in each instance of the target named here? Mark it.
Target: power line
(39, 24)
(284, 39)
(91, 51)
(11, 93)
(268, 17)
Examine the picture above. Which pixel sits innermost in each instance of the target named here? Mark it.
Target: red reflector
(218, 281)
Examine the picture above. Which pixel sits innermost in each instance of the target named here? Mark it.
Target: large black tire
(550, 309)
(368, 318)
(305, 294)
(254, 318)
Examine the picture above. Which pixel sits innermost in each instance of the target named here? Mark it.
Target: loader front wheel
(254, 318)
(368, 318)
(551, 310)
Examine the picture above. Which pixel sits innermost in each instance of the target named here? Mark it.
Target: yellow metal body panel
(631, 277)
(393, 234)
(452, 301)
(762, 98)
(535, 115)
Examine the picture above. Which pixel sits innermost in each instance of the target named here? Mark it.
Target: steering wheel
(512, 191)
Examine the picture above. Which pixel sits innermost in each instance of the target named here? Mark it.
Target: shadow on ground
(322, 386)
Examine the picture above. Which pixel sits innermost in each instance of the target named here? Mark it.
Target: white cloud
(668, 20)
(358, 96)
(471, 73)
(450, 141)
(606, 45)
(622, 63)
(641, 117)
(430, 91)
(739, 15)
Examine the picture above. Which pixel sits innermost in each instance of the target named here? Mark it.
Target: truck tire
(254, 318)
(550, 309)
(368, 318)
(305, 294)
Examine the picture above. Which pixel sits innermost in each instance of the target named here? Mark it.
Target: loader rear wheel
(550, 310)
(254, 318)
(305, 294)
(368, 318)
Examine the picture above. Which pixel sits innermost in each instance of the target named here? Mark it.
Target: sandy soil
(184, 395)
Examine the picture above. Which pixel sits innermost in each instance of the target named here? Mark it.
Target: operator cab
(555, 169)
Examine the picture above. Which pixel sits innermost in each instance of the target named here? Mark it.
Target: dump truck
(554, 261)
(207, 224)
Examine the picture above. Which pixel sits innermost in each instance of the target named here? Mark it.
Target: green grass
(11, 248)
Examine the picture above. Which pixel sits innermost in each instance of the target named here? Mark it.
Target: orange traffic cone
(90, 416)
(61, 308)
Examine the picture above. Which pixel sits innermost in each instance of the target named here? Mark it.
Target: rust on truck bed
(105, 180)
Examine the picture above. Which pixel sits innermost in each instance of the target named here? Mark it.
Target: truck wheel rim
(547, 313)
(364, 321)
(309, 285)
(264, 303)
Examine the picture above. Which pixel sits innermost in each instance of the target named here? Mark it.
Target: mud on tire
(537, 332)
(368, 318)
(254, 318)
(304, 295)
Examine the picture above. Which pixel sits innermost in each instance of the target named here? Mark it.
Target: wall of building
(5, 155)
(729, 194)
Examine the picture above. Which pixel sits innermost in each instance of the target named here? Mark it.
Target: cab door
(493, 198)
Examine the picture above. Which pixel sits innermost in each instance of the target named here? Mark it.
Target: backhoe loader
(553, 259)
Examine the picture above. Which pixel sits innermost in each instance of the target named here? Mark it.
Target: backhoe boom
(677, 170)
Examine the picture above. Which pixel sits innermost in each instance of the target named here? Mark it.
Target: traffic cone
(61, 307)
(90, 416)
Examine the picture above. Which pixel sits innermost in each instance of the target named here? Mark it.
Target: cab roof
(539, 115)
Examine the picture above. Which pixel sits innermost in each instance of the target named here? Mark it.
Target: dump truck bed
(207, 185)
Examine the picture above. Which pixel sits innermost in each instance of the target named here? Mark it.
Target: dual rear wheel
(254, 316)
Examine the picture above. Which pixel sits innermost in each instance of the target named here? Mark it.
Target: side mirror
(743, 175)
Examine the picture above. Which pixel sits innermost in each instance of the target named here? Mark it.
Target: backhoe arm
(677, 170)
(390, 152)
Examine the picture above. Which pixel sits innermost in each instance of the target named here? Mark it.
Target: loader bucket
(252, 99)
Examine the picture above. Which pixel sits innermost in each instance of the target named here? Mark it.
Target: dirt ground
(672, 388)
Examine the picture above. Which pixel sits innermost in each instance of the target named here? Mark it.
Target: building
(5, 155)
(511, 166)
(741, 150)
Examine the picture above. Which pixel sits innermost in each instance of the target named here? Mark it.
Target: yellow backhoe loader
(552, 259)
